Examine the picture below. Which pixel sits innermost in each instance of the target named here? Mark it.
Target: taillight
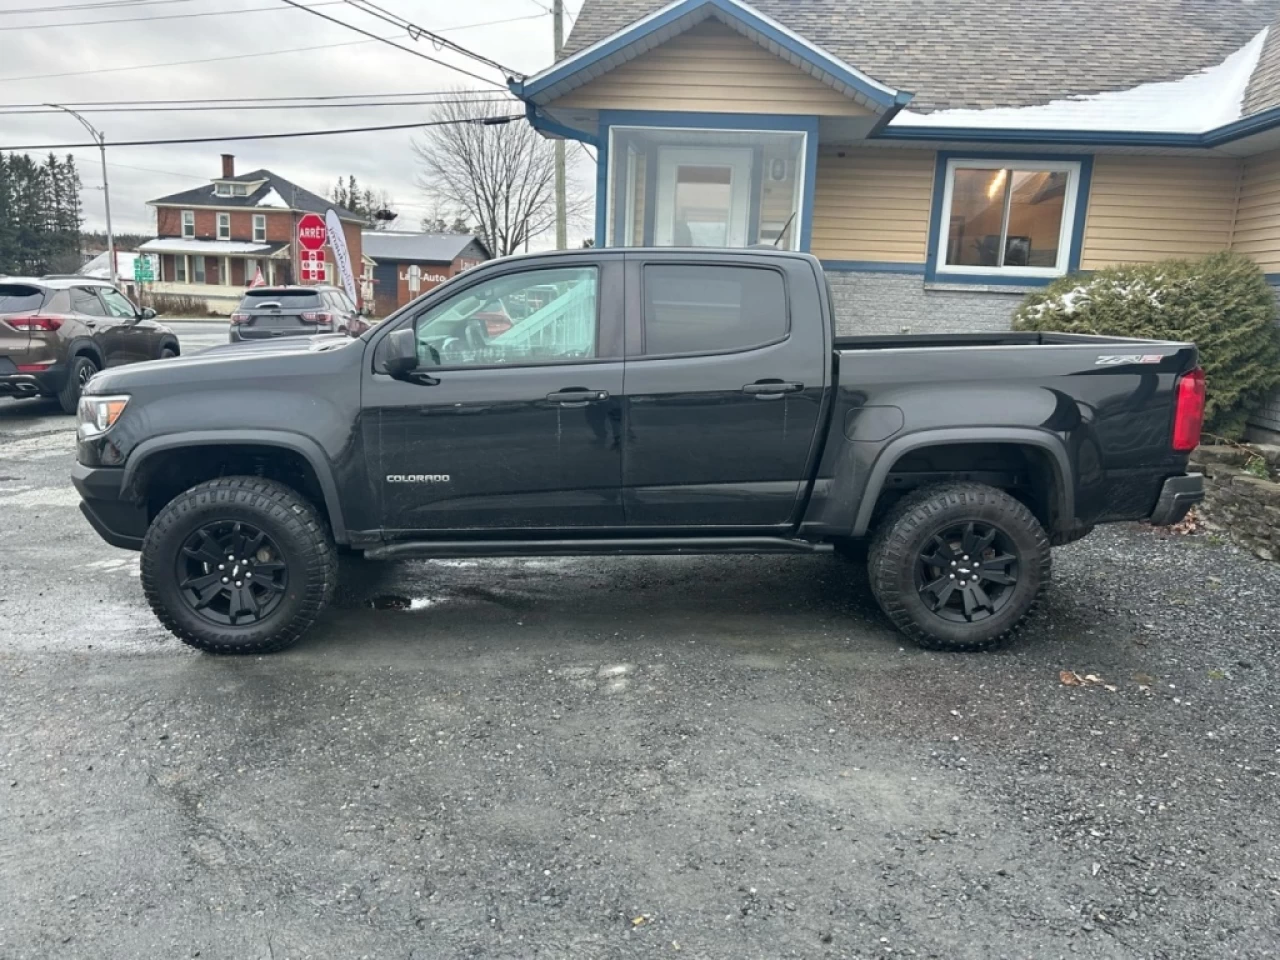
(311, 316)
(1188, 411)
(35, 323)
(35, 367)
(240, 318)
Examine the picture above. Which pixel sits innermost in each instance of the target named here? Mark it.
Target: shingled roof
(287, 195)
(979, 54)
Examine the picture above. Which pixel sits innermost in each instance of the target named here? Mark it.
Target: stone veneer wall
(889, 303)
(1245, 507)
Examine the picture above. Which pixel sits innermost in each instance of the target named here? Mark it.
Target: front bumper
(1177, 496)
(118, 520)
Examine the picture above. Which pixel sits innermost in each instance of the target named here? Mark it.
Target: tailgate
(17, 300)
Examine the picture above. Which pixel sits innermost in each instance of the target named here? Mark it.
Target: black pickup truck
(632, 402)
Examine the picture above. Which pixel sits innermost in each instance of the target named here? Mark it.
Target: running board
(647, 546)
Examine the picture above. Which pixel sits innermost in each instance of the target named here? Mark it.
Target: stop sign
(311, 232)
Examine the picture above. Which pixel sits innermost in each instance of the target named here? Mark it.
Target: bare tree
(498, 177)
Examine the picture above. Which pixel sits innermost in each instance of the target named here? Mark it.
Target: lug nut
(248, 574)
(223, 566)
(239, 584)
(226, 579)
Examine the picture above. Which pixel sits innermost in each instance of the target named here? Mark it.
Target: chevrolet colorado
(640, 402)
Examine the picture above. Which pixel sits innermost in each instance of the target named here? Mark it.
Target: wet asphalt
(721, 757)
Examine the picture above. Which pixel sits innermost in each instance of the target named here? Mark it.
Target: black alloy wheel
(967, 572)
(231, 573)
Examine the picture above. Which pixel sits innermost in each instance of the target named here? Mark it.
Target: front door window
(703, 197)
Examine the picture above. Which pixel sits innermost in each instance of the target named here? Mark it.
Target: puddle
(395, 602)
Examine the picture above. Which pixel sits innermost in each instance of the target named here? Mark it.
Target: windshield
(20, 298)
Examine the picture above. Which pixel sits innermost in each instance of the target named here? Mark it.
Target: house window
(180, 266)
(222, 189)
(188, 223)
(239, 190)
(705, 188)
(259, 228)
(1007, 217)
(197, 269)
(224, 226)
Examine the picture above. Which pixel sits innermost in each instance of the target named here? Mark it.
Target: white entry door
(704, 197)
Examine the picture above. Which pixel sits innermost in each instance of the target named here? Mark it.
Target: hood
(228, 363)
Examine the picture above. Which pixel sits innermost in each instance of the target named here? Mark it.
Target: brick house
(406, 265)
(213, 239)
(941, 157)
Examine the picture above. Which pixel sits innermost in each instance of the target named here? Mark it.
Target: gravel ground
(723, 757)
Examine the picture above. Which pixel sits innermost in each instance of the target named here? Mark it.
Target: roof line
(878, 93)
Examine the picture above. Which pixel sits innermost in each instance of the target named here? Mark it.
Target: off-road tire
(69, 395)
(292, 523)
(905, 531)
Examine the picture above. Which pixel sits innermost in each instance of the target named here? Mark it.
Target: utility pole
(101, 139)
(562, 230)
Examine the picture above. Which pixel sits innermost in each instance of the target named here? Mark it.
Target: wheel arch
(232, 446)
(84, 347)
(1048, 446)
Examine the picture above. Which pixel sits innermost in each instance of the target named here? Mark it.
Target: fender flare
(307, 448)
(85, 345)
(1023, 436)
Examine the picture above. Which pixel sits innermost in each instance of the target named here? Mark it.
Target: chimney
(228, 166)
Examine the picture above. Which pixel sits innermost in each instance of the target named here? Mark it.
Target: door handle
(771, 389)
(577, 396)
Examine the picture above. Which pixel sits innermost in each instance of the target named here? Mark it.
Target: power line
(111, 4)
(486, 121)
(185, 63)
(260, 106)
(167, 16)
(391, 43)
(236, 100)
(415, 31)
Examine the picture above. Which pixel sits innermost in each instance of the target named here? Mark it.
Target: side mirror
(402, 352)
(147, 314)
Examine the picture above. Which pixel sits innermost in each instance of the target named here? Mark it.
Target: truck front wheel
(238, 565)
(958, 567)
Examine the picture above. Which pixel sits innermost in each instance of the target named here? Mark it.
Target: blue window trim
(807, 125)
(931, 274)
(883, 96)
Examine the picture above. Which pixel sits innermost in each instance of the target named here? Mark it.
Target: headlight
(95, 415)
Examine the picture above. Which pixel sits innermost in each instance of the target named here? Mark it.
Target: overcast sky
(90, 58)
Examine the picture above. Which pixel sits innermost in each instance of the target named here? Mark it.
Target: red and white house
(214, 239)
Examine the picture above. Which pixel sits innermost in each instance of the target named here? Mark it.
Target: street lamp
(101, 140)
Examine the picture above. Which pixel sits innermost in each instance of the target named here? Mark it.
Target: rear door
(102, 326)
(727, 366)
(515, 432)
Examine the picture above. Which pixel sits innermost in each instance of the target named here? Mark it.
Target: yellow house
(941, 157)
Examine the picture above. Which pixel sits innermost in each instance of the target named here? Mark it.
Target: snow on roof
(100, 266)
(1194, 104)
(225, 247)
(271, 199)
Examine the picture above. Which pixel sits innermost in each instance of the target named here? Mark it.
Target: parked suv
(267, 312)
(57, 332)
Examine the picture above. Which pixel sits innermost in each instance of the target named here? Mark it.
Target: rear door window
(20, 298)
(85, 300)
(692, 309)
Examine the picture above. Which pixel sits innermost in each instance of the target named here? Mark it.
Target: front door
(704, 197)
(133, 339)
(511, 422)
(724, 393)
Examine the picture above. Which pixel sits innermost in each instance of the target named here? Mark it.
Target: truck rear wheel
(238, 565)
(958, 567)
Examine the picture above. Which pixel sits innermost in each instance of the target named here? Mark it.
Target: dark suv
(267, 312)
(57, 332)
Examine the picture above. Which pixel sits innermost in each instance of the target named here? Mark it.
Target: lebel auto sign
(312, 232)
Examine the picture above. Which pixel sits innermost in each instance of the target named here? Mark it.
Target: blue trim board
(807, 125)
(816, 57)
(873, 266)
(1236, 130)
(544, 124)
(935, 217)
